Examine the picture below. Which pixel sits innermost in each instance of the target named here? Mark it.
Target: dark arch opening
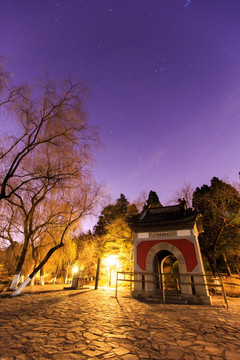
(165, 267)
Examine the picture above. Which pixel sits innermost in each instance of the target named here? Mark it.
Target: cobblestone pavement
(89, 324)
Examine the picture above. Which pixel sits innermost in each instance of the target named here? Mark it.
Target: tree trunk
(97, 274)
(42, 263)
(22, 257)
(14, 282)
(226, 264)
(66, 275)
(41, 276)
(214, 264)
(210, 262)
(15, 279)
(236, 266)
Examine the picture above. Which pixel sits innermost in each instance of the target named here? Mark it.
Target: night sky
(164, 78)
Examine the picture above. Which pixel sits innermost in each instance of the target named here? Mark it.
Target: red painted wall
(184, 246)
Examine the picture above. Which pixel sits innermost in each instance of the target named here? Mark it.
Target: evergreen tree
(153, 200)
(122, 205)
(219, 204)
(121, 209)
(112, 233)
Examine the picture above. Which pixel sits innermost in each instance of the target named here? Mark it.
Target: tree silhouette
(153, 199)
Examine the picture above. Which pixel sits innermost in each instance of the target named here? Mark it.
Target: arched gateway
(159, 233)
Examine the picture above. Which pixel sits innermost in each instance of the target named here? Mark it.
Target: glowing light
(112, 264)
(75, 269)
(111, 260)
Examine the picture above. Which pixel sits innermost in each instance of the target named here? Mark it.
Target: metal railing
(159, 280)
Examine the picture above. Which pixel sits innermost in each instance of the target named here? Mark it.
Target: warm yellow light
(75, 269)
(111, 260)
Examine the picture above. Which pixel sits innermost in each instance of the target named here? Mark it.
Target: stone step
(168, 301)
(170, 298)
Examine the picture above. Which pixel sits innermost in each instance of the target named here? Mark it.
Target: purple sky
(164, 78)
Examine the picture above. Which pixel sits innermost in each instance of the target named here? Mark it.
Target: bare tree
(56, 118)
(44, 208)
(50, 157)
(33, 222)
(183, 192)
(9, 229)
(141, 200)
(73, 210)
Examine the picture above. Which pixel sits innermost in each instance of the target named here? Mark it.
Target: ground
(232, 285)
(93, 324)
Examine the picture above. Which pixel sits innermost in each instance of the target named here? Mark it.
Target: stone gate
(163, 231)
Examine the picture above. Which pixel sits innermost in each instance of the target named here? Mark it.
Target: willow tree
(48, 120)
(49, 157)
(74, 208)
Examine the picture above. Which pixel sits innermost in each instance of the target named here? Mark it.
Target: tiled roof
(169, 215)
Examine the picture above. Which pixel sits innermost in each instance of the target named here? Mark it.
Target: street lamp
(78, 277)
(75, 269)
(111, 261)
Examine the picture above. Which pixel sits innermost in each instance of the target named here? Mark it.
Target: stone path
(88, 324)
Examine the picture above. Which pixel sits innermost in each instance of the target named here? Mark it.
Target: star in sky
(163, 77)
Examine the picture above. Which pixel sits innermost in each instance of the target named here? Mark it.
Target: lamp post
(78, 278)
